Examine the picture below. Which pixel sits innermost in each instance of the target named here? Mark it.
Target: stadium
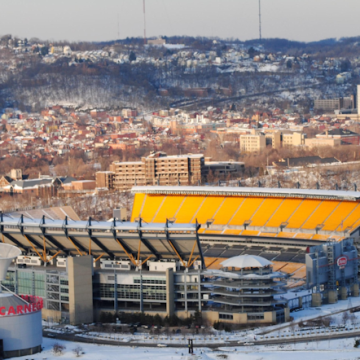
(277, 224)
(170, 259)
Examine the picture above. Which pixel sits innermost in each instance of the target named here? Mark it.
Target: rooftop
(246, 261)
(339, 132)
(305, 160)
(247, 191)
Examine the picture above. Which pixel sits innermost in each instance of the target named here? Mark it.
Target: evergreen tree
(44, 50)
(132, 56)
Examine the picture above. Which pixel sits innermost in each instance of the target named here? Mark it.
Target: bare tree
(345, 317)
(327, 321)
(78, 350)
(58, 349)
(353, 319)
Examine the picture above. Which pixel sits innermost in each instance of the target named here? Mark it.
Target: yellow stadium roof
(257, 212)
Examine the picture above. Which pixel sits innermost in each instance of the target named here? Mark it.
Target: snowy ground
(324, 310)
(334, 350)
(338, 325)
(311, 349)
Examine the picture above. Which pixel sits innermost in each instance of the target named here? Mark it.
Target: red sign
(342, 262)
(32, 304)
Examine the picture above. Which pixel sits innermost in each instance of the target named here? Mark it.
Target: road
(186, 103)
(281, 341)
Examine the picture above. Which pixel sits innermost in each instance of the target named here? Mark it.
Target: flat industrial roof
(248, 191)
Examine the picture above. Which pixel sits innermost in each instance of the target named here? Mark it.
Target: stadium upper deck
(253, 212)
(137, 241)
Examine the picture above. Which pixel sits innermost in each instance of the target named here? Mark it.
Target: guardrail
(310, 333)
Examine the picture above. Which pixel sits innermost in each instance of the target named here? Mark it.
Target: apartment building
(252, 143)
(293, 139)
(335, 104)
(105, 179)
(156, 169)
(273, 139)
(327, 104)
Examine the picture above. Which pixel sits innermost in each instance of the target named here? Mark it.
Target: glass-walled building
(234, 294)
(51, 285)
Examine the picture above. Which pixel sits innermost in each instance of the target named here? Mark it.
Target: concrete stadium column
(355, 290)
(80, 273)
(170, 292)
(287, 313)
(199, 290)
(300, 302)
(332, 296)
(343, 293)
(185, 291)
(237, 318)
(270, 317)
(316, 299)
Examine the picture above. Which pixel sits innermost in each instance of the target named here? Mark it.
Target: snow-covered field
(337, 349)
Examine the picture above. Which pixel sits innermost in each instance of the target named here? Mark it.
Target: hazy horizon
(94, 20)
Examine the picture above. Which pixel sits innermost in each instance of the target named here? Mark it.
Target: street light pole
(115, 289)
(141, 292)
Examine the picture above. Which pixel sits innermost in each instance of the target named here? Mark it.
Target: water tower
(20, 316)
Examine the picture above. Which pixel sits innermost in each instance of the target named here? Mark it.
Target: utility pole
(259, 20)
(191, 346)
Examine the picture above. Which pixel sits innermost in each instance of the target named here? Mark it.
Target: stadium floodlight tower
(7, 254)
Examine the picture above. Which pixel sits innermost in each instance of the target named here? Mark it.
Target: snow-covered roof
(248, 191)
(246, 261)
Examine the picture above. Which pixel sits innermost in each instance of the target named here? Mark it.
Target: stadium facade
(159, 261)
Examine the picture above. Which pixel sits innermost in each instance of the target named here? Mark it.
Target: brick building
(252, 143)
(105, 179)
(347, 137)
(17, 183)
(77, 188)
(157, 168)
